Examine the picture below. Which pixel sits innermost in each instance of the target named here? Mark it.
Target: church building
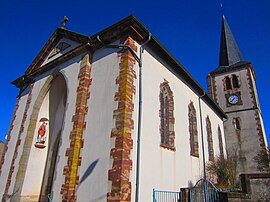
(111, 116)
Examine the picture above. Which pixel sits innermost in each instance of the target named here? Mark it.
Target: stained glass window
(166, 116)
(220, 142)
(194, 147)
(209, 139)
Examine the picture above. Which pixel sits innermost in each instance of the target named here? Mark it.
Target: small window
(235, 81)
(237, 125)
(228, 83)
(60, 47)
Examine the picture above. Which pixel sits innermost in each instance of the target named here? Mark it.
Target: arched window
(228, 83)
(166, 116)
(209, 139)
(192, 119)
(235, 81)
(220, 143)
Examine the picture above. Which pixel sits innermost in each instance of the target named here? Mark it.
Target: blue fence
(166, 196)
(204, 191)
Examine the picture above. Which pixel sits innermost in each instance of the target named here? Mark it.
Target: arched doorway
(57, 105)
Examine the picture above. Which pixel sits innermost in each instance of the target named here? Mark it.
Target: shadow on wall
(88, 172)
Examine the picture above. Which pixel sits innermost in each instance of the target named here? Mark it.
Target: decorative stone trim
(8, 136)
(166, 114)
(212, 87)
(251, 88)
(193, 140)
(209, 139)
(18, 142)
(119, 174)
(76, 135)
(255, 104)
(214, 83)
(259, 129)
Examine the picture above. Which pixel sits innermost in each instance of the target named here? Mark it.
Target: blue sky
(190, 30)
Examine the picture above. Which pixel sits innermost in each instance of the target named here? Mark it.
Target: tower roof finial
(63, 22)
(221, 9)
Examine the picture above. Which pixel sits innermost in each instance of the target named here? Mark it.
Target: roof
(129, 26)
(229, 51)
(230, 56)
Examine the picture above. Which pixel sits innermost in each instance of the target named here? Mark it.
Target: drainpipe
(204, 169)
(139, 60)
(139, 123)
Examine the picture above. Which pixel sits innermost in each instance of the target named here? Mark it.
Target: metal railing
(166, 196)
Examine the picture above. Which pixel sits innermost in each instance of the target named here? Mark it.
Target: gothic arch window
(220, 142)
(166, 116)
(192, 119)
(209, 139)
(235, 81)
(228, 83)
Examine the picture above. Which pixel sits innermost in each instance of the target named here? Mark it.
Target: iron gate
(204, 191)
(166, 196)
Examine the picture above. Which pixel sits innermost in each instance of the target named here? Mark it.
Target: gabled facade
(233, 87)
(81, 108)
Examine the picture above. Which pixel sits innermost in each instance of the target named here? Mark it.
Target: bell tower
(233, 87)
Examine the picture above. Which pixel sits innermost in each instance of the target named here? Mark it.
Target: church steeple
(232, 85)
(229, 51)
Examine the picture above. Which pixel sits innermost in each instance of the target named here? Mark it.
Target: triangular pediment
(61, 42)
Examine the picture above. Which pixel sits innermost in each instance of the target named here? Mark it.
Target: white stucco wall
(161, 168)
(99, 123)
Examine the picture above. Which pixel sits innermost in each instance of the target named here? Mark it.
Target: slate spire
(229, 51)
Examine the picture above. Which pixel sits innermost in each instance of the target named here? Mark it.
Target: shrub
(223, 170)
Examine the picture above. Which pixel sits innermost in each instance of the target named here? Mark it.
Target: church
(111, 116)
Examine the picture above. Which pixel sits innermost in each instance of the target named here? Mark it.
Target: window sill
(165, 146)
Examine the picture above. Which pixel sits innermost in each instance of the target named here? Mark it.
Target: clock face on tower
(233, 99)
